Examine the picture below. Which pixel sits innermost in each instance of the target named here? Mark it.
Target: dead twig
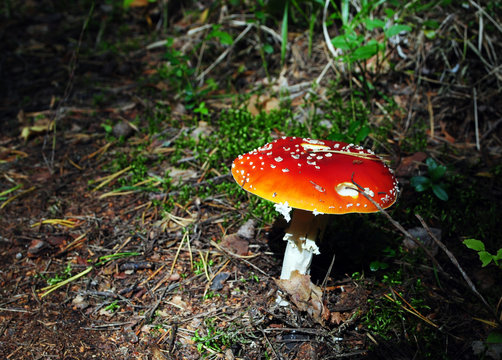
(240, 257)
(224, 54)
(325, 281)
(476, 122)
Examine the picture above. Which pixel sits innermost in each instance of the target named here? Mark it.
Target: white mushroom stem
(301, 235)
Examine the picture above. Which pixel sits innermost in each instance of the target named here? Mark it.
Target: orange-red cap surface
(317, 175)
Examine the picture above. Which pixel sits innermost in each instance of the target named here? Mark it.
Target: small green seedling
(213, 340)
(223, 37)
(485, 257)
(113, 306)
(433, 180)
(65, 274)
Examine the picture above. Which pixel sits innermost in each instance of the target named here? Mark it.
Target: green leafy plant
(113, 306)
(108, 128)
(348, 120)
(179, 74)
(223, 37)
(210, 294)
(388, 254)
(198, 266)
(65, 274)
(433, 180)
(202, 110)
(382, 317)
(356, 39)
(365, 35)
(485, 257)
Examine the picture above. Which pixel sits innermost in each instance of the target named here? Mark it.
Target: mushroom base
(301, 235)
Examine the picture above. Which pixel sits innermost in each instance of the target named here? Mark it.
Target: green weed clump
(433, 180)
(214, 338)
(485, 256)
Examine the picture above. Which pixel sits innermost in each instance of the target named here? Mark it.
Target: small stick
(476, 123)
(224, 54)
(240, 257)
(172, 337)
(327, 39)
(431, 115)
(178, 253)
(278, 356)
(325, 281)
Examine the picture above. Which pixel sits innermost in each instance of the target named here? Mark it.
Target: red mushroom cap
(317, 175)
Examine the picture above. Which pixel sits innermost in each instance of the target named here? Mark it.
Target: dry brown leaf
(235, 244)
(178, 302)
(409, 164)
(138, 3)
(336, 317)
(305, 295)
(260, 102)
(181, 176)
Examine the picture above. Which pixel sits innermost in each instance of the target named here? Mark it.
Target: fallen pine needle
(115, 193)
(75, 164)
(74, 243)
(493, 324)
(409, 308)
(12, 198)
(100, 151)
(152, 275)
(205, 264)
(185, 235)
(107, 179)
(62, 222)
(3, 193)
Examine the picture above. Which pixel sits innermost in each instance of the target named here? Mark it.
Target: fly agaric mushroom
(315, 177)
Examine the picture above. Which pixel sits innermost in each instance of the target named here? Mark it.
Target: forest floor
(124, 236)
